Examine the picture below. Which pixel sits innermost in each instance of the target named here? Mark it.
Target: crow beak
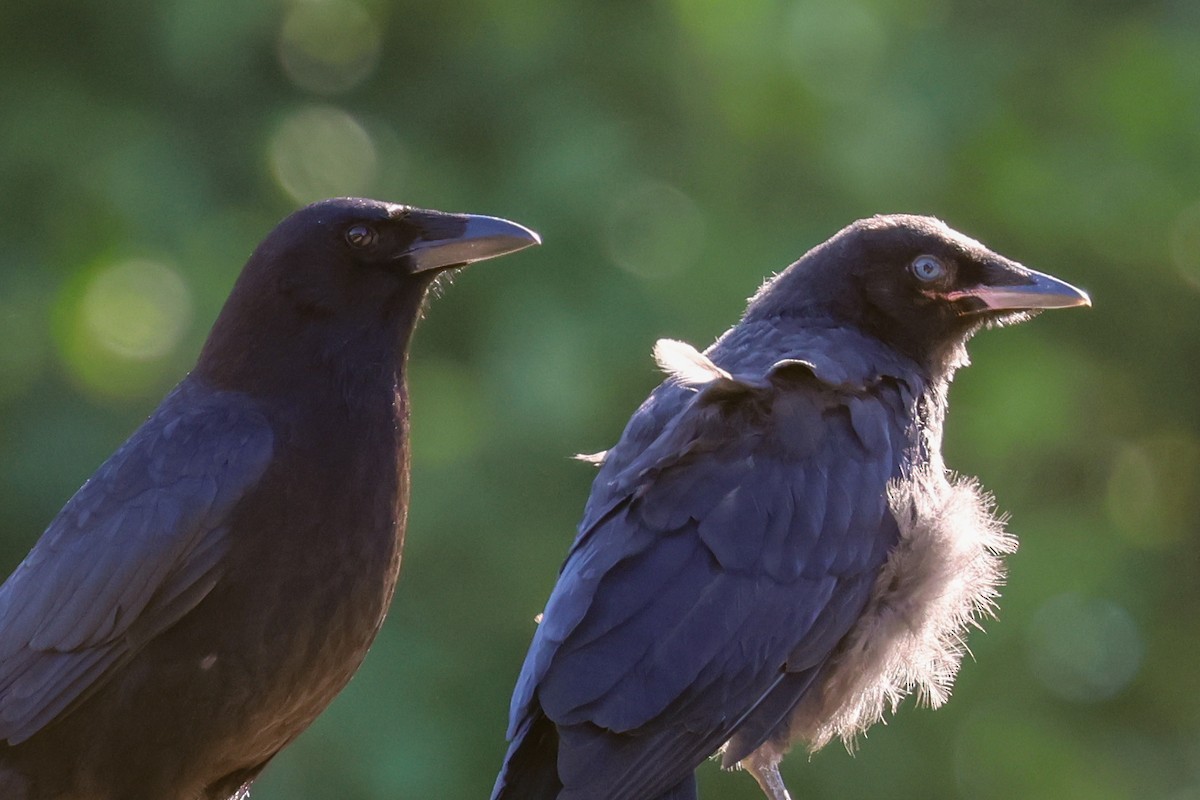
(1012, 287)
(452, 240)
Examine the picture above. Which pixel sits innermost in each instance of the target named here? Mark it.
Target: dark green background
(672, 154)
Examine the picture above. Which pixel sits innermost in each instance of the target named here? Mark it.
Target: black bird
(774, 551)
(208, 591)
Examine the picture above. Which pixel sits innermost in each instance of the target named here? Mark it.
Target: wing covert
(131, 552)
(751, 521)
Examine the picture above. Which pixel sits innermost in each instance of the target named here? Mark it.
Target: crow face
(351, 257)
(914, 283)
(924, 287)
(337, 287)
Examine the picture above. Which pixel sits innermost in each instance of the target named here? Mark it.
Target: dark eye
(928, 268)
(361, 236)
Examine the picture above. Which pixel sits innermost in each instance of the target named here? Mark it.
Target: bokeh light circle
(1084, 649)
(137, 310)
(655, 231)
(321, 151)
(328, 46)
(1151, 493)
(117, 324)
(1184, 243)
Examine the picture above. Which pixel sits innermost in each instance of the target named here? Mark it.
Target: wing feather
(134, 549)
(732, 537)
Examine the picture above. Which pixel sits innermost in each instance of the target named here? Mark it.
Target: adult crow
(219, 579)
(774, 550)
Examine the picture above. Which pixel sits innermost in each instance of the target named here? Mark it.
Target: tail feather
(769, 718)
(684, 790)
(530, 770)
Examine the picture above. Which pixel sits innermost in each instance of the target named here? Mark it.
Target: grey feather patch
(940, 579)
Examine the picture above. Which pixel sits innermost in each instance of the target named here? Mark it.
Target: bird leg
(771, 782)
(766, 772)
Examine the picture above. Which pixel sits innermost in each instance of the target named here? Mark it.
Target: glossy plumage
(212, 587)
(773, 551)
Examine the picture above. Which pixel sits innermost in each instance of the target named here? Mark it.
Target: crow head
(339, 285)
(914, 283)
(347, 255)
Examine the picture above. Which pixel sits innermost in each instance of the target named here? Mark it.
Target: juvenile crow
(774, 551)
(218, 580)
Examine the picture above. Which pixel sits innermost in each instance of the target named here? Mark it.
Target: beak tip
(526, 236)
(507, 236)
(524, 239)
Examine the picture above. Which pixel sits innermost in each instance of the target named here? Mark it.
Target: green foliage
(671, 154)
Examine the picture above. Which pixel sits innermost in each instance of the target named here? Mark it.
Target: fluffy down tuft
(943, 576)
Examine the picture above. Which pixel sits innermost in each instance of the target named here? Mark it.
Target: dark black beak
(1012, 287)
(452, 240)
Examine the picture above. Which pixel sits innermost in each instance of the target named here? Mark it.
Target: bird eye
(360, 236)
(928, 268)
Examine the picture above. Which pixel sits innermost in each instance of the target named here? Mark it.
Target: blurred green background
(671, 154)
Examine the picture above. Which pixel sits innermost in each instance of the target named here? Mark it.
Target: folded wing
(136, 548)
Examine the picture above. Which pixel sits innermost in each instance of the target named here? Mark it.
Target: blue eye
(928, 268)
